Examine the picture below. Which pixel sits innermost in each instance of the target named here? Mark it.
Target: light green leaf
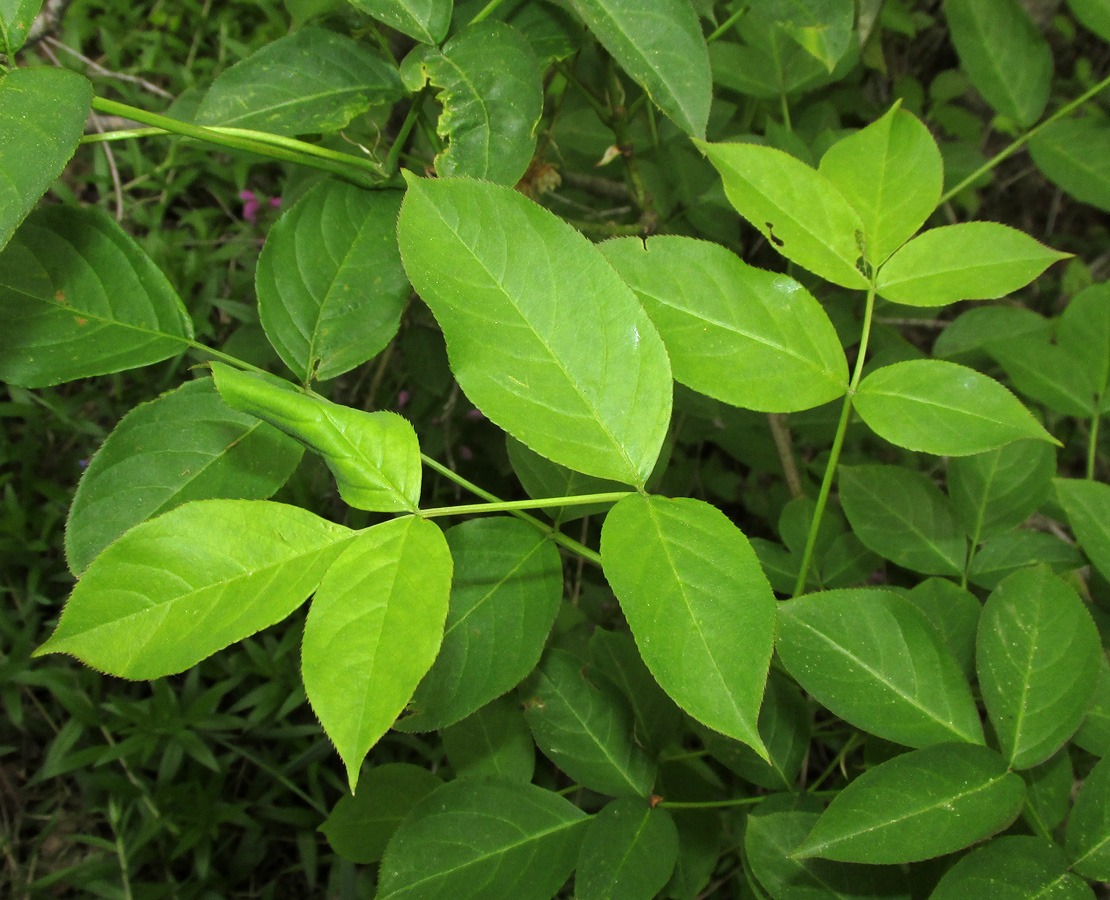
(424, 20)
(823, 28)
(16, 17)
(943, 408)
(520, 841)
(373, 630)
(1048, 374)
(1088, 838)
(540, 477)
(918, 805)
(310, 81)
(795, 207)
(1083, 333)
(374, 457)
(1002, 555)
(42, 116)
(495, 740)
(174, 590)
(1004, 54)
(698, 604)
(628, 853)
(78, 297)
(331, 287)
(954, 613)
(892, 175)
(186, 445)
(995, 491)
(360, 825)
(1075, 154)
(903, 516)
(1087, 504)
(1093, 15)
(492, 98)
(586, 730)
(1014, 867)
(504, 598)
(968, 261)
(873, 659)
(1038, 656)
(530, 308)
(750, 338)
(660, 44)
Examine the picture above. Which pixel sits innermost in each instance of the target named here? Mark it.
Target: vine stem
(838, 442)
(1022, 140)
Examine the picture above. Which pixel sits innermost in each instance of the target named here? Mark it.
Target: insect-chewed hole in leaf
(777, 241)
(862, 265)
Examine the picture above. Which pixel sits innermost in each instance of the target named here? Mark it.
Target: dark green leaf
(1014, 867)
(1048, 792)
(918, 805)
(541, 477)
(1084, 331)
(1088, 840)
(1048, 374)
(79, 298)
(1094, 15)
(16, 17)
(176, 589)
(628, 853)
(995, 491)
(823, 28)
(1087, 504)
(1002, 555)
(529, 307)
(425, 20)
(1094, 735)
(954, 613)
(495, 740)
(1075, 154)
(186, 445)
(980, 327)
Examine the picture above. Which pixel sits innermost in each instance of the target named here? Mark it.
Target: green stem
(838, 442)
(1022, 140)
(709, 804)
(591, 97)
(485, 11)
(1092, 444)
(510, 505)
(726, 25)
(402, 135)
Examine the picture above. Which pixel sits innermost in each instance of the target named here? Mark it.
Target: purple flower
(250, 206)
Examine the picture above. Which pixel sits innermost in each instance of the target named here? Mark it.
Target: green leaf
(968, 261)
(1093, 15)
(1087, 504)
(892, 174)
(16, 17)
(698, 604)
(374, 457)
(1014, 867)
(903, 516)
(1083, 333)
(700, 832)
(1004, 54)
(79, 298)
(795, 207)
(361, 824)
(1088, 838)
(495, 740)
(42, 116)
(373, 631)
(918, 805)
(823, 28)
(1075, 154)
(943, 408)
(769, 842)
(176, 589)
(660, 44)
(972, 332)
(1048, 792)
(873, 659)
(492, 97)
(520, 841)
(529, 307)
(310, 81)
(424, 20)
(954, 613)
(331, 287)
(1038, 656)
(1002, 555)
(504, 598)
(1048, 374)
(628, 853)
(1094, 735)
(750, 338)
(186, 445)
(540, 477)
(995, 491)
(586, 730)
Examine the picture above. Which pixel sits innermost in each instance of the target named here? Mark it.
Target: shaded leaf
(1014, 867)
(1004, 554)
(1087, 504)
(628, 852)
(540, 477)
(495, 740)
(1075, 154)
(980, 327)
(1094, 735)
(1088, 839)
(1083, 331)
(995, 491)
(1048, 374)
(16, 17)
(424, 20)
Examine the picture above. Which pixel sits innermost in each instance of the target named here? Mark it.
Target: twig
(134, 79)
(781, 434)
(110, 156)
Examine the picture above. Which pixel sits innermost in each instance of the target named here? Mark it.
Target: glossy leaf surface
(42, 116)
(529, 308)
(174, 590)
(78, 297)
(795, 207)
(373, 631)
(660, 44)
(313, 80)
(185, 445)
(521, 842)
(736, 333)
(698, 604)
(628, 853)
(1088, 839)
(940, 407)
(424, 20)
(374, 457)
(876, 661)
(504, 597)
(1014, 867)
(330, 283)
(918, 805)
(1038, 655)
(489, 82)
(1087, 504)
